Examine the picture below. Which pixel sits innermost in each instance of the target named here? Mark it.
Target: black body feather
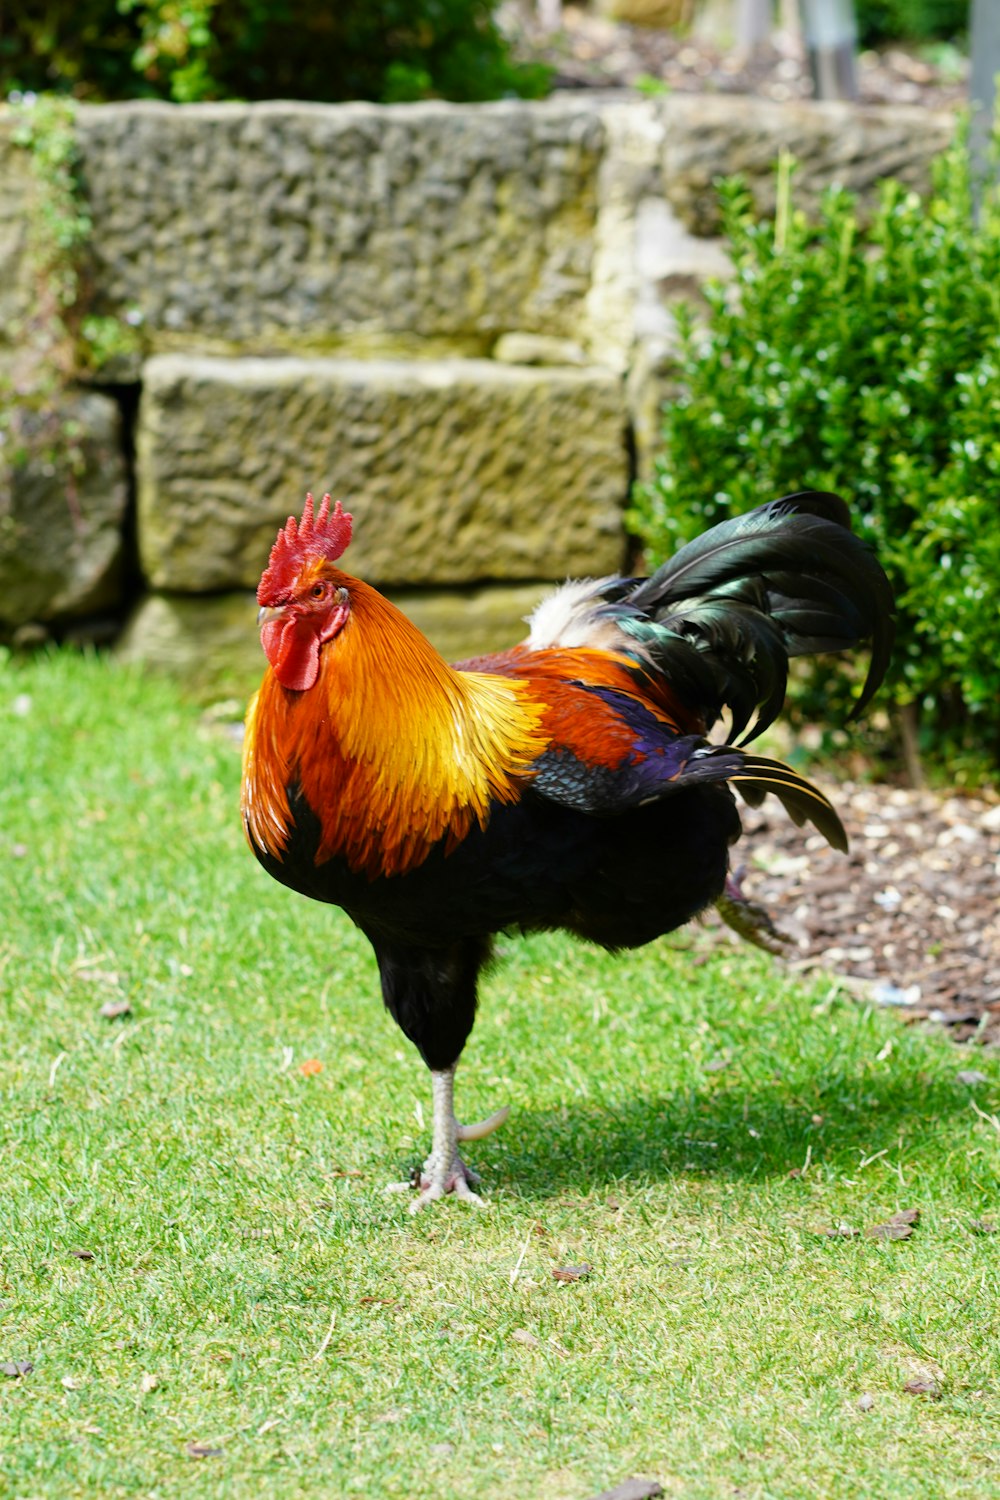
(538, 865)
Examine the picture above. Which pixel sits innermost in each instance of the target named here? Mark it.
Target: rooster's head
(303, 598)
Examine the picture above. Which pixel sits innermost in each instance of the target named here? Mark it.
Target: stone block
(61, 530)
(707, 137)
(284, 227)
(457, 472)
(211, 643)
(652, 382)
(537, 349)
(630, 172)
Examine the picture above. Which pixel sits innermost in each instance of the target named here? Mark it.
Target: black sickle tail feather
(754, 776)
(722, 617)
(803, 802)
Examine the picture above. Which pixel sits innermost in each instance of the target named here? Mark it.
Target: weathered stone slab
(671, 266)
(471, 622)
(456, 471)
(61, 531)
(630, 171)
(707, 137)
(420, 230)
(212, 645)
(282, 226)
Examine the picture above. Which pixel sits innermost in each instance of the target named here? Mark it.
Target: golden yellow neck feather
(393, 749)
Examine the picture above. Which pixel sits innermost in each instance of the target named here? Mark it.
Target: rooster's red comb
(325, 535)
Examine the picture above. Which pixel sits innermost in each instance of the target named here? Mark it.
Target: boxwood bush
(189, 50)
(863, 359)
(911, 20)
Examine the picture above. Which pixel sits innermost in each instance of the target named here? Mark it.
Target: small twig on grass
(55, 1068)
(520, 1258)
(327, 1337)
(994, 1120)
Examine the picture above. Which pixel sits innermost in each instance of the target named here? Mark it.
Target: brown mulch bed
(910, 917)
(592, 52)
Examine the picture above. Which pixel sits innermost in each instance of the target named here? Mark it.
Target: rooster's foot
(444, 1171)
(750, 920)
(437, 1179)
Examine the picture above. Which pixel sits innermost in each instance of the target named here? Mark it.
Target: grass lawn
(684, 1121)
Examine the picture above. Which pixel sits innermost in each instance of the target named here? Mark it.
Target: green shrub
(911, 20)
(255, 49)
(866, 361)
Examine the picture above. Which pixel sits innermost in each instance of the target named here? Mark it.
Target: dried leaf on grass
(16, 1368)
(112, 1009)
(82, 1254)
(889, 1231)
(899, 1227)
(633, 1489)
(983, 1226)
(201, 1450)
(923, 1385)
(839, 1231)
(310, 1067)
(866, 1402)
(572, 1273)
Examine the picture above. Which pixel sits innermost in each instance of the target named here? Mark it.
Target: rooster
(565, 783)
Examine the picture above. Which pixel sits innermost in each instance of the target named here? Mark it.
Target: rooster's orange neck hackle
(361, 715)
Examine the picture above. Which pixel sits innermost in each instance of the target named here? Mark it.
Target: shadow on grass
(730, 1132)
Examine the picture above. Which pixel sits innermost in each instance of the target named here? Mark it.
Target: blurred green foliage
(865, 360)
(911, 20)
(189, 50)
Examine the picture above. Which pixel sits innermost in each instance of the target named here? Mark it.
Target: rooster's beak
(269, 612)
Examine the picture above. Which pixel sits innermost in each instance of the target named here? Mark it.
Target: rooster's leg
(444, 1171)
(751, 920)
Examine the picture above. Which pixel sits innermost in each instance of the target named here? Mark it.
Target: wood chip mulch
(910, 917)
(589, 51)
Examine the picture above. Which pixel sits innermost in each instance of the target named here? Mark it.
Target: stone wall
(456, 318)
(309, 229)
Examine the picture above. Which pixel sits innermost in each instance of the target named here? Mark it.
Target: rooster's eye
(318, 590)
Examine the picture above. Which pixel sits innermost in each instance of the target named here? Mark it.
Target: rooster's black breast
(619, 881)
